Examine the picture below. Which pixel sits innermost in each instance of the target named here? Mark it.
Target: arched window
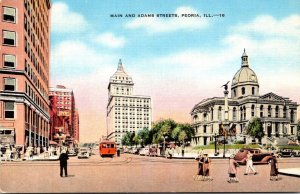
(243, 91)
(276, 111)
(220, 113)
(234, 93)
(234, 114)
(269, 111)
(212, 113)
(253, 110)
(244, 109)
(205, 116)
(253, 90)
(195, 118)
(262, 111)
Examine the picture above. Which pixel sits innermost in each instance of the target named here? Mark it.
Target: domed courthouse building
(278, 114)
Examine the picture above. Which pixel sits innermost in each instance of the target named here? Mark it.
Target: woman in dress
(199, 175)
(206, 168)
(232, 170)
(274, 169)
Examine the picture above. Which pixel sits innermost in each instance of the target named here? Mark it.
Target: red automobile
(258, 157)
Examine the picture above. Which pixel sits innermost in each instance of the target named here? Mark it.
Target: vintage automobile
(152, 152)
(72, 152)
(83, 153)
(286, 152)
(258, 157)
(144, 151)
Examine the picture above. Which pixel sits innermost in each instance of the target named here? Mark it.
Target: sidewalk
(194, 155)
(290, 172)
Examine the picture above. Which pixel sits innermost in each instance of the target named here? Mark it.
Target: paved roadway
(132, 173)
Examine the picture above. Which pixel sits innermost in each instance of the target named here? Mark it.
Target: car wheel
(269, 161)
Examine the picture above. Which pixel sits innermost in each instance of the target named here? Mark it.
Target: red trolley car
(107, 148)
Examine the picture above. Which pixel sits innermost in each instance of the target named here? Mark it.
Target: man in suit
(63, 158)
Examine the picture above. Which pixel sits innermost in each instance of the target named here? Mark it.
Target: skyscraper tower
(126, 112)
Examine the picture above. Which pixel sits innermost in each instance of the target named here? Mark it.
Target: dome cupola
(244, 82)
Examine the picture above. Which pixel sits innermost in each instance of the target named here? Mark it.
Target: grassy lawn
(293, 147)
(232, 146)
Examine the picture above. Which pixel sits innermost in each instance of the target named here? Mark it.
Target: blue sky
(183, 59)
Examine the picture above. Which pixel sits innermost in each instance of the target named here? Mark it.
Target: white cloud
(64, 20)
(160, 25)
(110, 40)
(268, 25)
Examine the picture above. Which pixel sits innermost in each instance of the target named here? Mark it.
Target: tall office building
(64, 128)
(126, 112)
(24, 72)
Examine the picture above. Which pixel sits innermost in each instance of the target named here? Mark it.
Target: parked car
(144, 152)
(135, 151)
(71, 152)
(259, 157)
(286, 152)
(152, 152)
(83, 153)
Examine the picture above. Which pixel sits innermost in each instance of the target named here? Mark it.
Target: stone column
(273, 129)
(280, 129)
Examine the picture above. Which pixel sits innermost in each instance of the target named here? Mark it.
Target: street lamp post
(226, 120)
(216, 153)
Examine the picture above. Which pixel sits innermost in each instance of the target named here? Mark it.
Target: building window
(252, 110)
(9, 84)
(204, 129)
(244, 112)
(9, 60)
(9, 38)
(253, 90)
(234, 93)
(220, 113)
(9, 111)
(276, 111)
(9, 14)
(243, 91)
(261, 111)
(292, 116)
(234, 114)
(292, 130)
(284, 112)
(269, 111)
(241, 113)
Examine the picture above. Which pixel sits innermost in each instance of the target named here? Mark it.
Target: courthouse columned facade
(126, 112)
(278, 114)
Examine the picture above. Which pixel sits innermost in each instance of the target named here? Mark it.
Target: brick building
(64, 118)
(24, 72)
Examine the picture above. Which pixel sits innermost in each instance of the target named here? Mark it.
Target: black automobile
(286, 152)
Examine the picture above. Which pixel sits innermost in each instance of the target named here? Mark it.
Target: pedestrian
(249, 164)
(199, 175)
(63, 158)
(232, 170)
(274, 169)
(206, 168)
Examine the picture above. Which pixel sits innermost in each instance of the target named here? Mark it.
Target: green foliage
(143, 136)
(292, 147)
(255, 128)
(126, 140)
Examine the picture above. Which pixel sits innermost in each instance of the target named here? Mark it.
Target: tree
(126, 139)
(255, 129)
(143, 136)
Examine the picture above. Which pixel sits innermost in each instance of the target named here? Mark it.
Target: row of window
(243, 113)
(132, 100)
(33, 95)
(243, 91)
(41, 27)
(35, 122)
(29, 71)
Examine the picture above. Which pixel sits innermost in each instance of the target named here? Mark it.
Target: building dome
(244, 75)
(245, 81)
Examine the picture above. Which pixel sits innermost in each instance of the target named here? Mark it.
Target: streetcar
(107, 148)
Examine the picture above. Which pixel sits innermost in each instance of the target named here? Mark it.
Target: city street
(132, 173)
